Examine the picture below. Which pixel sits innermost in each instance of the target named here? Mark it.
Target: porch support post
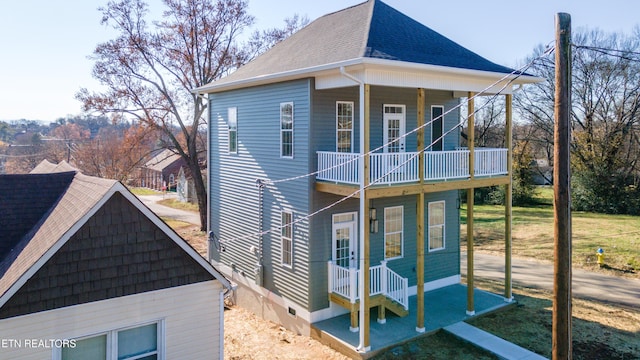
(420, 218)
(364, 219)
(508, 195)
(471, 145)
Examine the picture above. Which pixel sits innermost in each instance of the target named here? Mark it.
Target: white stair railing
(344, 282)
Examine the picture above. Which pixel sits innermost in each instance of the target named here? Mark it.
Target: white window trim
(232, 112)
(288, 130)
(352, 124)
(401, 232)
(431, 126)
(112, 340)
(283, 239)
(444, 226)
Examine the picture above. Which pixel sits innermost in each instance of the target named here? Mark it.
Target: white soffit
(417, 79)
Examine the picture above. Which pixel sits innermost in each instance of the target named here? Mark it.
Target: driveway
(151, 201)
(585, 284)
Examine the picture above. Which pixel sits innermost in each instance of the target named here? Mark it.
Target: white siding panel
(191, 314)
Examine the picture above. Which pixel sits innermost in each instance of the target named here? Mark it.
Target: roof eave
(275, 77)
(367, 63)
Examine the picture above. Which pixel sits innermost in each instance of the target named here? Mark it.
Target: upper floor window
(393, 232)
(286, 130)
(232, 113)
(344, 126)
(287, 238)
(436, 225)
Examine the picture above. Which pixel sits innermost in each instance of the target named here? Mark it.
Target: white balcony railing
(382, 281)
(397, 168)
(490, 162)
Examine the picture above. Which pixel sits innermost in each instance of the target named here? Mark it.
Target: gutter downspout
(362, 219)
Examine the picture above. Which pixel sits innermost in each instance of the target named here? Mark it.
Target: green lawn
(532, 229)
(144, 191)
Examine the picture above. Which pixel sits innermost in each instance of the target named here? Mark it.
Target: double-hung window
(286, 130)
(344, 126)
(393, 232)
(287, 238)
(436, 225)
(140, 342)
(232, 114)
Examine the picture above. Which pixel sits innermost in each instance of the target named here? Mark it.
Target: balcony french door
(394, 128)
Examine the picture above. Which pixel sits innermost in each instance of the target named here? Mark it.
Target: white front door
(394, 128)
(345, 240)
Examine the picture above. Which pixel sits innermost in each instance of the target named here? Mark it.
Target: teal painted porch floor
(443, 307)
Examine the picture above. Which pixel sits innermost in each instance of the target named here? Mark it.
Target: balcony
(401, 168)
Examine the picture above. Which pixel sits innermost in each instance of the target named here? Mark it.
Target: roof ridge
(365, 41)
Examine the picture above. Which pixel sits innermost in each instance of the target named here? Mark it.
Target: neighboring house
(337, 101)
(185, 186)
(161, 171)
(89, 272)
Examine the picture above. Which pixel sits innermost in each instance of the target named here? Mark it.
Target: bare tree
(605, 103)
(150, 69)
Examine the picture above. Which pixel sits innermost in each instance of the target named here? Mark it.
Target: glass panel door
(345, 240)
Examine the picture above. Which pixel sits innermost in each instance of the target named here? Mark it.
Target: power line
(622, 54)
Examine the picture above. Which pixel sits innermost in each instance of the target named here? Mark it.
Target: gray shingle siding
(234, 195)
(117, 252)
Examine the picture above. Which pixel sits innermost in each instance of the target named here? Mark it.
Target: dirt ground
(600, 331)
(247, 336)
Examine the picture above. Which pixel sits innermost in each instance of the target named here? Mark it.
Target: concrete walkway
(585, 284)
(491, 343)
(164, 211)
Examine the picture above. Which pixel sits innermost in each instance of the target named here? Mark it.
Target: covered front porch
(443, 307)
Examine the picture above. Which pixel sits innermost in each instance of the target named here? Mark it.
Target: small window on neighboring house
(393, 232)
(286, 130)
(287, 238)
(344, 126)
(436, 225)
(233, 130)
(141, 342)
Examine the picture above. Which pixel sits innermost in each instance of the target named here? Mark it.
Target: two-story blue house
(335, 169)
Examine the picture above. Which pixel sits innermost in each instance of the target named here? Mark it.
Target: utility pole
(561, 337)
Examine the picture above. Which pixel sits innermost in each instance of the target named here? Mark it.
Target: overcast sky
(44, 44)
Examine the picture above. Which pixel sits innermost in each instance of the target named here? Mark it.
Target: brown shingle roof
(81, 195)
(162, 160)
(47, 167)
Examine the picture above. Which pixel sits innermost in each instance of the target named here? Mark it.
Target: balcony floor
(443, 307)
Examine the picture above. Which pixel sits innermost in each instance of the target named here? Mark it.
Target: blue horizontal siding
(234, 195)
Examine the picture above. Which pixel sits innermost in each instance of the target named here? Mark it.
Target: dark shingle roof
(24, 201)
(395, 36)
(368, 30)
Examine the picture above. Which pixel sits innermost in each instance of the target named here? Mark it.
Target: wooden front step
(381, 301)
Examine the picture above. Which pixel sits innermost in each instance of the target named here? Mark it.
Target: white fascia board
(275, 77)
(386, 73)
